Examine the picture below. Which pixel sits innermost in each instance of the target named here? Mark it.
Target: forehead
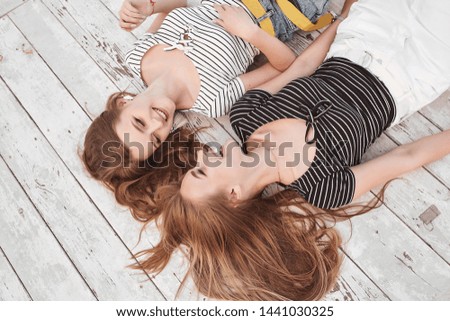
(195, 189)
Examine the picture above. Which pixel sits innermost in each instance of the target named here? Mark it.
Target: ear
(121, 102)
(123, 99)
(235, 194)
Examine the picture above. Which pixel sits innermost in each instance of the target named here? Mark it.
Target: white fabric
(193, 3)
(406, 43)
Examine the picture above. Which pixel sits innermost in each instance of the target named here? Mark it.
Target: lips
(162, 113)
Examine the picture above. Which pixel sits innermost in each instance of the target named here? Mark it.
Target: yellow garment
(258, 11)
(291, 12)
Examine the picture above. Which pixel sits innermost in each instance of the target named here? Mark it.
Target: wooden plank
(393, 257)
(353, 285)
(64, 55)
(412, 195)
(84, 233)
(11, 288)
(8, 5)
(114, 7)
(94, 27)
(86, 237)
(439, 111)
(35, 16)
(52, 275)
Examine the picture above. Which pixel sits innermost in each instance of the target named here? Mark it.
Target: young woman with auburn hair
(274, 248)
(388, 60)
(115, 168)
(199, 68)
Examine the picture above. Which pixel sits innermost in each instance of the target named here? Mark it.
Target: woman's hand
(236, 21)
(133, 13)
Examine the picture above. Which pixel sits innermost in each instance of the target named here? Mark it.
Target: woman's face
(144, 123)
(214, 174)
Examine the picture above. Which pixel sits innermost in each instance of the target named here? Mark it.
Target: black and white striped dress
(218, 56)
(361, 109)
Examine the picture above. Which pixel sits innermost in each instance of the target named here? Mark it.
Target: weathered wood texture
(76, 121)
(82, 230)
(395, 258)
(8, 5)
(11, 288)
(59, 61)
(38, 252)
(354, 285)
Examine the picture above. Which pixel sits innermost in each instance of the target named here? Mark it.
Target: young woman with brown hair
(241, 245)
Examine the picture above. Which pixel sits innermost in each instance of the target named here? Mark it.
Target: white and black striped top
(218, 56)
(361, 109)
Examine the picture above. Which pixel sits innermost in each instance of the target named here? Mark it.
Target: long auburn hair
(273, 248)
(108, 160)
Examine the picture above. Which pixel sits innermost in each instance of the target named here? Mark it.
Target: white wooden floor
(62, 237)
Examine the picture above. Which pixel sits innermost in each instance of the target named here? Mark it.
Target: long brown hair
(273, 248)
(108, 160)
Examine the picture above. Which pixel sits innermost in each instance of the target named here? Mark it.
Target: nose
(200, 158)
(153, 125)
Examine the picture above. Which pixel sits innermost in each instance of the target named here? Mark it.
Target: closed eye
(139, 122)
(197, 173)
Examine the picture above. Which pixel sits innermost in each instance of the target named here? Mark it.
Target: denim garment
(284, 28)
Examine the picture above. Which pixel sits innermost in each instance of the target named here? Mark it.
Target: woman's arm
(258, 76)
(134, 12)
(237, 22)
(311, 58)
(399, 161)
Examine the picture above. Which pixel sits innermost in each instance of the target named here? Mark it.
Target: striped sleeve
(253, 99)
(227, 97)
(334, 190)
(240, 115)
